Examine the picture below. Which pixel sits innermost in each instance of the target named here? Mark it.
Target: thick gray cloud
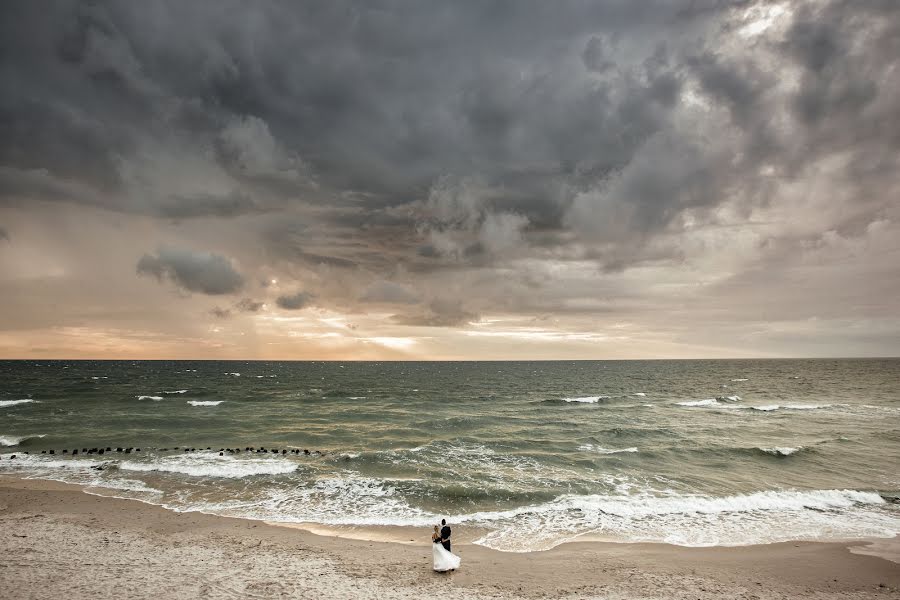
(192, 271)
(487, 149)
(294, 301)
(389, 292)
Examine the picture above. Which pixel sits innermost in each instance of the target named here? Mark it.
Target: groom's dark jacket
(445, 537)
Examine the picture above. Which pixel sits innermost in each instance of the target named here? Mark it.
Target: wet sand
(61, 542)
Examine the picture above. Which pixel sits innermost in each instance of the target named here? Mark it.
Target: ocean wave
(45, 462)
(477, 464)
(741, 379)
(689, 520)
(205, 402)
(586, 399)
(781, 450)
(774, 407)
(176, 392)
(706, 402)
(212, 465)
(599, 450)
(155, 398)
(642, 394)
(4, 403)
(343, 499)
(734, 398)
(15, 440)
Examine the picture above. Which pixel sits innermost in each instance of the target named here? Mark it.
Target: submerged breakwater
(531, 454)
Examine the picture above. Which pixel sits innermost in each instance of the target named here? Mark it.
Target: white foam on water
(54, 462)
(213, 465)
(741, 379)
(586, 399)
(755, 518)
(345, 499)
(154, 398)
(356, 397)
(233, 374)
(706, 402)
(781, 450)
(99, 377)
(599, 450)
(729, 399)
(14, 402)
(639, 394)
(176, 392)
(15, 440)
(765, 408)
(205, 402)
(628, 513)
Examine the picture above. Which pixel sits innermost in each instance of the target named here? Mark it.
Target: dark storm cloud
(201, 272)
(379, 98)
(442, 135)
(294, 301)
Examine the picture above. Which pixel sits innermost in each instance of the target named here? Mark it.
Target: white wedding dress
(444, 560)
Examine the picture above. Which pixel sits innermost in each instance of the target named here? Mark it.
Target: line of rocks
(222, 451)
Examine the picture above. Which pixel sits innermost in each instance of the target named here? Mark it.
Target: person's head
(435, 528)
(443, 521)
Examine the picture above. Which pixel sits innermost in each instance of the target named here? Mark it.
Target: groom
(445, 535)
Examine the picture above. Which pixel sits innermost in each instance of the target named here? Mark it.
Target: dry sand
(59, 542)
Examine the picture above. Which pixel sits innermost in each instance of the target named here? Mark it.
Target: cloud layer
(672, 178)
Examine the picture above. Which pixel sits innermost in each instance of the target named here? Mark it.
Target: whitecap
(233, 374)
(99, 377)
(205, 402)
(586, 399)
(599, 450)
(707, 402)
(639, 394)
(212, 465)
(741, 379)
(15, 440)
(176, 392)
(14, 402)
(781, 450)
(156, 398)
(356, 397)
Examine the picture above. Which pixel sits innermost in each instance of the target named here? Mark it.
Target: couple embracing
(444, 560)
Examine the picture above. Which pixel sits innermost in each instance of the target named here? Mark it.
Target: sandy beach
(61, 542)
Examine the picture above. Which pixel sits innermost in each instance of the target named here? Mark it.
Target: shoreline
(62, 541)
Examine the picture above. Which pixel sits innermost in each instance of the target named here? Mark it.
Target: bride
(444, 560)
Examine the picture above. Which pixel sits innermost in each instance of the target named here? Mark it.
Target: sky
(414, 180)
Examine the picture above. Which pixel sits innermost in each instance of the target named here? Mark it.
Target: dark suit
(445, 537)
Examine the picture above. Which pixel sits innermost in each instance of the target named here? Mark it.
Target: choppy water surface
(530, 453)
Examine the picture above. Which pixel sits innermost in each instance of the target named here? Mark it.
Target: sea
(527, 455)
